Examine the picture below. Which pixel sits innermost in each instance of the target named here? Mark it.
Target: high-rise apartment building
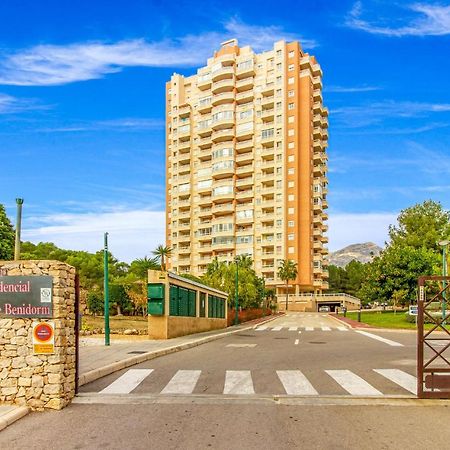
(246, 164)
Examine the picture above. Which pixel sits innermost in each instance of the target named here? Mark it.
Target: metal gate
(77, 330)
(433, 365)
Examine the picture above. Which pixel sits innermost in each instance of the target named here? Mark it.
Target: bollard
(359, 315)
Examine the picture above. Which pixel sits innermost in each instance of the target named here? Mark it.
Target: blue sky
(82, 108)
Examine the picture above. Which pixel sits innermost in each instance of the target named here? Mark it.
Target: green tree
(354, 277)
(6, 236)
(421, 226)
(162, 253)
(140, 267)
(95, 302)
(393, 275)
(119, 297)
(287, 271)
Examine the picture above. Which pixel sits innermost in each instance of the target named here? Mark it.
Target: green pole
(236, 296)
(444, 283)
(106, 289)
(19, 202)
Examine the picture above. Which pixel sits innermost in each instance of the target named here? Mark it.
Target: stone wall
(40, 381)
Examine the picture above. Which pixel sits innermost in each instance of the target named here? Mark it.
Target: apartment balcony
(245, 170)
(317, 245)
(305, 62)
(205, 212)
(204, 235)
(317, 133)
(225, 196)
(204, 84)
(205, 200)
(318, 170)
(267, 102)
(317, 83)
(246, 194)
(222, 74)
(324, 111)
(223, 135)
(317, 219)
(317, 271)
(324, 134)
(324, 122)
(184, 136)
(184, 250)
(324, 239)
(248, 144)
(324, 216)
(223, 86)
(317, 106)
(244, 135)
(184, 146)
(317, 71)
(220, 124)
(267, 151)
(268, 141)
(268, 89)
(317, 144)
(325, 204)
(324, 250)
(222, 208)
(226, 59)
(244, 158)
(244, 220)
(221, 99)
(245, 84)
(268, 164)
(204, 143)
(184, 214)
(317, 232)
(269, 203)
(223, 172)
(204, 248)
(204, 190)
(245, 72)
(204, 131)
(268, 190)
(242, 183)
(324, 227)
(318, 158)
(204, 107)
(244, 97)
(317, 120)
(267, 115)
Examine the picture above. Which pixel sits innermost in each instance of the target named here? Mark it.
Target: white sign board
(413, 310)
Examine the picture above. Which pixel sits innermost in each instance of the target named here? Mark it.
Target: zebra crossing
(297, 328)
(293, 382)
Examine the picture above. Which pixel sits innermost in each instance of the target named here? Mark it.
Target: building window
(290, 210)
(279, 65)
(279, 222)
(290, 236)
(291, 93)
(291, 105)
(291, 80)
(291, 132)
(291, 197)
(290, 184)
(291, 67)
(279, 236)
(279, 158)
(279, 184)
(291, 171)
(290, 250)
(291, 145)
(291, 119)
(290, 223)
(291, 54)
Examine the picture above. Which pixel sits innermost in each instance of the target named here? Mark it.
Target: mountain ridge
(362, 252)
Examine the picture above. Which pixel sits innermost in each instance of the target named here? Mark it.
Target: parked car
(324, 309)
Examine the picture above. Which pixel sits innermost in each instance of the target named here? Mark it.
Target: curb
(95, 374)
(341, 322)
(10, 417)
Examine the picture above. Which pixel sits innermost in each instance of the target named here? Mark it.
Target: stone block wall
(40, 381)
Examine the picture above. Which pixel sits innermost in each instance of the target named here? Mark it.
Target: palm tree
(287, 271)
(162, 253)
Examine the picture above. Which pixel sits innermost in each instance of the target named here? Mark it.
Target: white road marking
(240, 345)
(238, 382)
(381, 339)
(183, 382)
(293, 328)
(342, 328)
(295, 383)
(352, 383)
(261, 328)
(309, 329)
(296, 342)
(403, 379)
(276, 328)
(127, 382)
(326, 329)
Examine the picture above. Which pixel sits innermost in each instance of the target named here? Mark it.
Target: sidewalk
(10, 413)
(97, 360)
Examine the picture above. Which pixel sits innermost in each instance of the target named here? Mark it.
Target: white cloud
(46, 65)
(350, 89)
(372, 113)
(132, 233)
(11, 105)
(349, 228)
(125, 124)
(434, 20)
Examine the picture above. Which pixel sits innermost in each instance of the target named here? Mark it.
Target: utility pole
(19, 202)
(444, 245)
(106, 289)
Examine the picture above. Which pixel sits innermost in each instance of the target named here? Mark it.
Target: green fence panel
(173, 302)
(191, 305)
(202, 304)
(183, 300)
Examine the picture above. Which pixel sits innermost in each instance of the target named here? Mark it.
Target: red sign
(43, 332)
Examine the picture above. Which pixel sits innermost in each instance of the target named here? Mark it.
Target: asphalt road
(300, 382)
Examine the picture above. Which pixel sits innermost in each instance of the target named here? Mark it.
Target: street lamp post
(106, 290)
(444, 245)
(236, 295)
(19, 202)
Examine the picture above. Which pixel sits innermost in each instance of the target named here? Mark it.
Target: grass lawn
(115, 322)
(385, 319)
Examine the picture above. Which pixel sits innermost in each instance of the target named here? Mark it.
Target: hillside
(361, 252)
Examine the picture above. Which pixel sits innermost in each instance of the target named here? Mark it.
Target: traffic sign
(413, 310)
(43, 338)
